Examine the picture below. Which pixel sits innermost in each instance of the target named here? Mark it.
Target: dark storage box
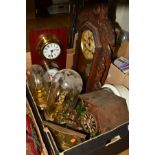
(111, 142)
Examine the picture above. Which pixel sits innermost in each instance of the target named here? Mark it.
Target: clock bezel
(93, 28)
(43, 41)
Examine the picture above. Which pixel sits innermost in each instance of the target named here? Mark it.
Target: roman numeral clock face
(51, 51)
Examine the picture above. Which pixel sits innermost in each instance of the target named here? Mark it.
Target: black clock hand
(89, 41)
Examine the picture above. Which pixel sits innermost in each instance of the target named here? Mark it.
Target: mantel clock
(49, 46)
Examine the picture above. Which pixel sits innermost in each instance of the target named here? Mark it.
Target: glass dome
(65, 88)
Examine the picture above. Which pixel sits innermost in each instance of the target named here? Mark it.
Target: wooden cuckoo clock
(96, 39)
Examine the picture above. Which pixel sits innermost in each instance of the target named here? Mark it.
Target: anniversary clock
(95, 44)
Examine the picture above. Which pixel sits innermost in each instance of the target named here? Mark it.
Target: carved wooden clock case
(96, 40)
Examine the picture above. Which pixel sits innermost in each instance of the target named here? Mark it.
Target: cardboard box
(116, 76)
(29, 109)
(95, 146)
(124, 50)
(106, 143)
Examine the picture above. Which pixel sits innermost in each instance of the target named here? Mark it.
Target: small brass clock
(49, 47)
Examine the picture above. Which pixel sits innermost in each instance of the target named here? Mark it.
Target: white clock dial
(51, 51)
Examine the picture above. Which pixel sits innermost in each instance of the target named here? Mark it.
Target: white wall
(122, 16)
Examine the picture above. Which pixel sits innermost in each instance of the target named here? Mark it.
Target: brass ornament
(64, 137)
